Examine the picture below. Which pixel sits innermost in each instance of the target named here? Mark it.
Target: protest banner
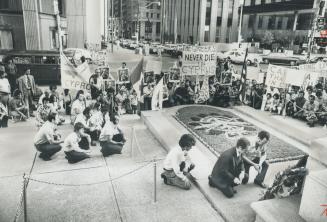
(276, 76)
(199, 63)
(74, 77)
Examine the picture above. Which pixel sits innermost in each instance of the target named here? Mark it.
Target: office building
(32, 24)
(192, 21)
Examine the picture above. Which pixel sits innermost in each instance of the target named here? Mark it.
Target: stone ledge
(278, 210)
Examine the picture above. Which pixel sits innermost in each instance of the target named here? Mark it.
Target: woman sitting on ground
(72, 149)
(95, 121)
(112, 138)
(42, 112)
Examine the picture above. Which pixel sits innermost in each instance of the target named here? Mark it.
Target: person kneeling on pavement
(229, 171)
(73, 151)
(111, 138)
(256, 156)
(47, 139)
(178, 163)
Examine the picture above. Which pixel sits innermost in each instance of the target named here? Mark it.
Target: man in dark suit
(27, 86)
(228, 171)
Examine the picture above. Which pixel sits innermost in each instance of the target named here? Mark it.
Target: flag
(74, 77)
(138, 86)
(203, 94)
(136, 73)
(157, 97)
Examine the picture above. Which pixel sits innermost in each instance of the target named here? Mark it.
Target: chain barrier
(20, 203)
(89, 184)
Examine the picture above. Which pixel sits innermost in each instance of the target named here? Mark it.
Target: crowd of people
(309, 104)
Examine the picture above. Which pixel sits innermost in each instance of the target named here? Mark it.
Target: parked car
(154, 47)
(281, 58)
(318, 58)
(237, 56)
(78, 53)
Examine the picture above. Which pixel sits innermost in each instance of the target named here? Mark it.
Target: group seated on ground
(309, 105)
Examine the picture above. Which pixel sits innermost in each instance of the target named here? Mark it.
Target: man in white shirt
(178, 163)
(47, 140)
(72, 149)
(83, 119)
(4, 97)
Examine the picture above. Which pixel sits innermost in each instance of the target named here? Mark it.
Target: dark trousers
(261, 176)
(94, 135)
(109, 148)
(148, 103)
(4, 122)
(84, 144)
(47, 150)
(68, 108)
(28, 99)
(75, 156)
(134, 109)
(227, 189)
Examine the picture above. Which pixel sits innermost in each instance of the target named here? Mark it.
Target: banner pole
(155, 179)
(24, 199)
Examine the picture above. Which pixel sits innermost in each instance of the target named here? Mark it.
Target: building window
(151, 15)
(271, 22)
(208, 13)
(251, 21)
(304, 21)
(260, 22)
(158, 28)
(252, 2)
(263, 2)
(279, 22)
(218, 21)
(147, 14)
(290, 22)
(148, 27)
(4, 4)
(54, 38)
(229, 22)
(158, 16)
(6, 41)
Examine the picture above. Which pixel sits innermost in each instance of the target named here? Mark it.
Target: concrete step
(278, 210)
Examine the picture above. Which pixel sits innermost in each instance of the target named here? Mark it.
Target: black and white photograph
(163, 111)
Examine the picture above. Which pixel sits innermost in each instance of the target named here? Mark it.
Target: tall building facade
(191, 21)
(288, 20)
(33, 25)
(143, 16)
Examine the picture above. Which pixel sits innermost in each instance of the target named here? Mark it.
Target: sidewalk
(130, 198)
(167, 130)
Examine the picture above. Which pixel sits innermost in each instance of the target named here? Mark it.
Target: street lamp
(138, 16)
(239, 37)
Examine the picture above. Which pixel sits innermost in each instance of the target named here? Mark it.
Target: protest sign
(74, 77)
(199, 63)
(276, 76)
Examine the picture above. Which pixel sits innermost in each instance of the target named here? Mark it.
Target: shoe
(164, 178)
(210, 182)
(262, 185)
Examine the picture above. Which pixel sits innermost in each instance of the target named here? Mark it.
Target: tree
(267, 39)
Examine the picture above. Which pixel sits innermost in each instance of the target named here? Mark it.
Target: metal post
(24, 199)
(155, 179)
(240, 25)
(112, 26)
(133, 141)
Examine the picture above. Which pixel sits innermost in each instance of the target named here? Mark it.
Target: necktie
(29, 84)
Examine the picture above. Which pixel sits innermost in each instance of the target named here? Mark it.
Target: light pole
(239, 36)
